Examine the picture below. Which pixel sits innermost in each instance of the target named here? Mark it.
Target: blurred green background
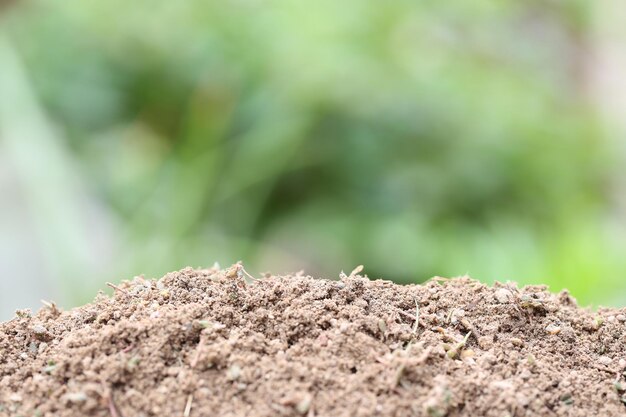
(416, 138)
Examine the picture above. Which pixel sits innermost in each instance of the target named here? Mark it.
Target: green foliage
(420, 139)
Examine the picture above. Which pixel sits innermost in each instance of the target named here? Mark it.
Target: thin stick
(236, 271)
(398, 376)
(437, 278)
(249, 276)
(449, 317)
(188, 406)
(112, 407)
(115, 287)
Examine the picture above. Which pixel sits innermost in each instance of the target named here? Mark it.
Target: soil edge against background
(202, 342)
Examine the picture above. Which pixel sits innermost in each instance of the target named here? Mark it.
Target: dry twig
(115, 412)
(188, 406)
(116, 288)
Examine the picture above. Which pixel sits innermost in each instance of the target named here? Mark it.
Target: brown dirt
(209, 343)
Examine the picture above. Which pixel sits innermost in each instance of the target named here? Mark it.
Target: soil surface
(215, 343)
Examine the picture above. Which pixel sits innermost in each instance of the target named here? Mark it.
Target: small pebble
(605, 360)
(467, 353)
(503, 295)
(75, 397)
(517, 342)
(234, 372)
(622, 363)
(382, 326)
(38, 329)
(597, 322)
(621, 318)
(303, 405)
(553, 329)
(469, 361)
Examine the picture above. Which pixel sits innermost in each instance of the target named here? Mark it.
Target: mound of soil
(211, 343)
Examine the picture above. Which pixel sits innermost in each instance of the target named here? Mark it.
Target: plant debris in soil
(213, 342)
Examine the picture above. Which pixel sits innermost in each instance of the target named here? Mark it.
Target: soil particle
(503, 295)
(209, 342)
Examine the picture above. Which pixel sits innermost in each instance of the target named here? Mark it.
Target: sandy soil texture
(216, 343)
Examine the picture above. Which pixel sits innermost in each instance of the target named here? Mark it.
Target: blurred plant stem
(71, 228)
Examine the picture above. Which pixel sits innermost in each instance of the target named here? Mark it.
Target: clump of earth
(211, 342)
